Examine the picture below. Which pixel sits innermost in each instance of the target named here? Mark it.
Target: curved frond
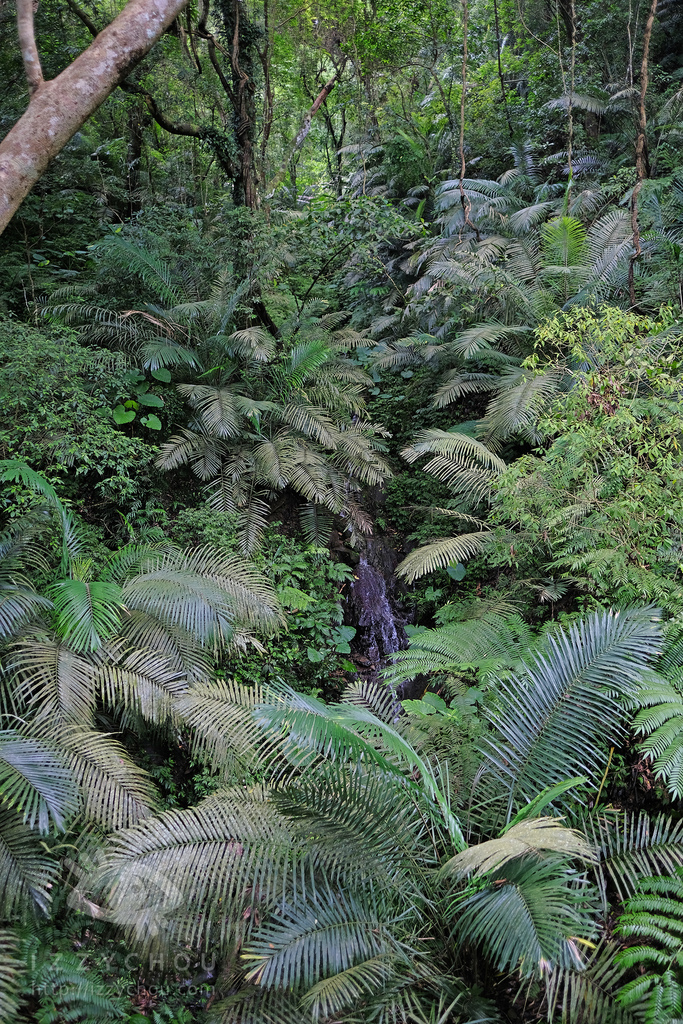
(525, 838)
(632, 845)
(529, 916)
(35, 780)
(27, 872)
(87, 614)
(557, 720)
(441, 553)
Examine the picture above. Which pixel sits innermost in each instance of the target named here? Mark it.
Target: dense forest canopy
(341, 553)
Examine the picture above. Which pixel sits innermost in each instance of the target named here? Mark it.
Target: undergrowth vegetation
(341, 532)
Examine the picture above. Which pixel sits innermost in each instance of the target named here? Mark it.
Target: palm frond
(202, 873)
(52, 680)
(332, 995)
(454, 446)
(524, 839)
(589, 995)
(305, 728)
(136, 259)
(632, 845)
(11, 970)
(316, 524)
(660, 722)
(441, 553)
(27, 873)
(203, 592)
(116, 793)
(519, 402)
(323, 936)
(35, 780)
(87, 614)
(557, 720)
(15, 471)
(493, 643)
(216, 406)
(529, 916)
(252, 343)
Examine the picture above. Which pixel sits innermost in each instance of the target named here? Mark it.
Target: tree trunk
(642, 156)
(57, 109)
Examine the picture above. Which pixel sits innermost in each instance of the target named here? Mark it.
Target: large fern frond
(529, 916)
(557, 720)
(441, 553)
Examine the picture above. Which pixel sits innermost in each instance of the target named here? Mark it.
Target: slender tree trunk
(58, 108)
(642, 157)
(466, 207)
(136, 123)
(500, 69)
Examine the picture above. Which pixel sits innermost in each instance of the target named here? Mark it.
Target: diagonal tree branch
(84, 17)
(58, 108)
(305, 129)
(132, 87)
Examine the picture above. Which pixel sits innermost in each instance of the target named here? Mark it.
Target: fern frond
(441, 553)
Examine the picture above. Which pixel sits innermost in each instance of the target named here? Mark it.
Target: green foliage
(574, 685)
(652, 917)
(52, 392)
(311, 652)
(369, 858)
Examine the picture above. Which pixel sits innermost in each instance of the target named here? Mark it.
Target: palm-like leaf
(202, 592)
(15, 471)
(19, 601)
(201, 872)
(253, 1005)
(323, 936)
(557, 721)
(217, 407)
(630, 846)
(87, 614)
(67, 988)
(36, 781)
(529, 915)
(27, 873)
(660, 722)
(653, 917)
(116, 793)
(492, 643)
(11, 971)
(52, 681)
(336, 993)
(589, 995)
(141, 261)
(308, 728)
(441, 553)
(523, 839)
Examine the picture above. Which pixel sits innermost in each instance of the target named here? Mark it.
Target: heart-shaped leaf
(122, 415)
(152, 422)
